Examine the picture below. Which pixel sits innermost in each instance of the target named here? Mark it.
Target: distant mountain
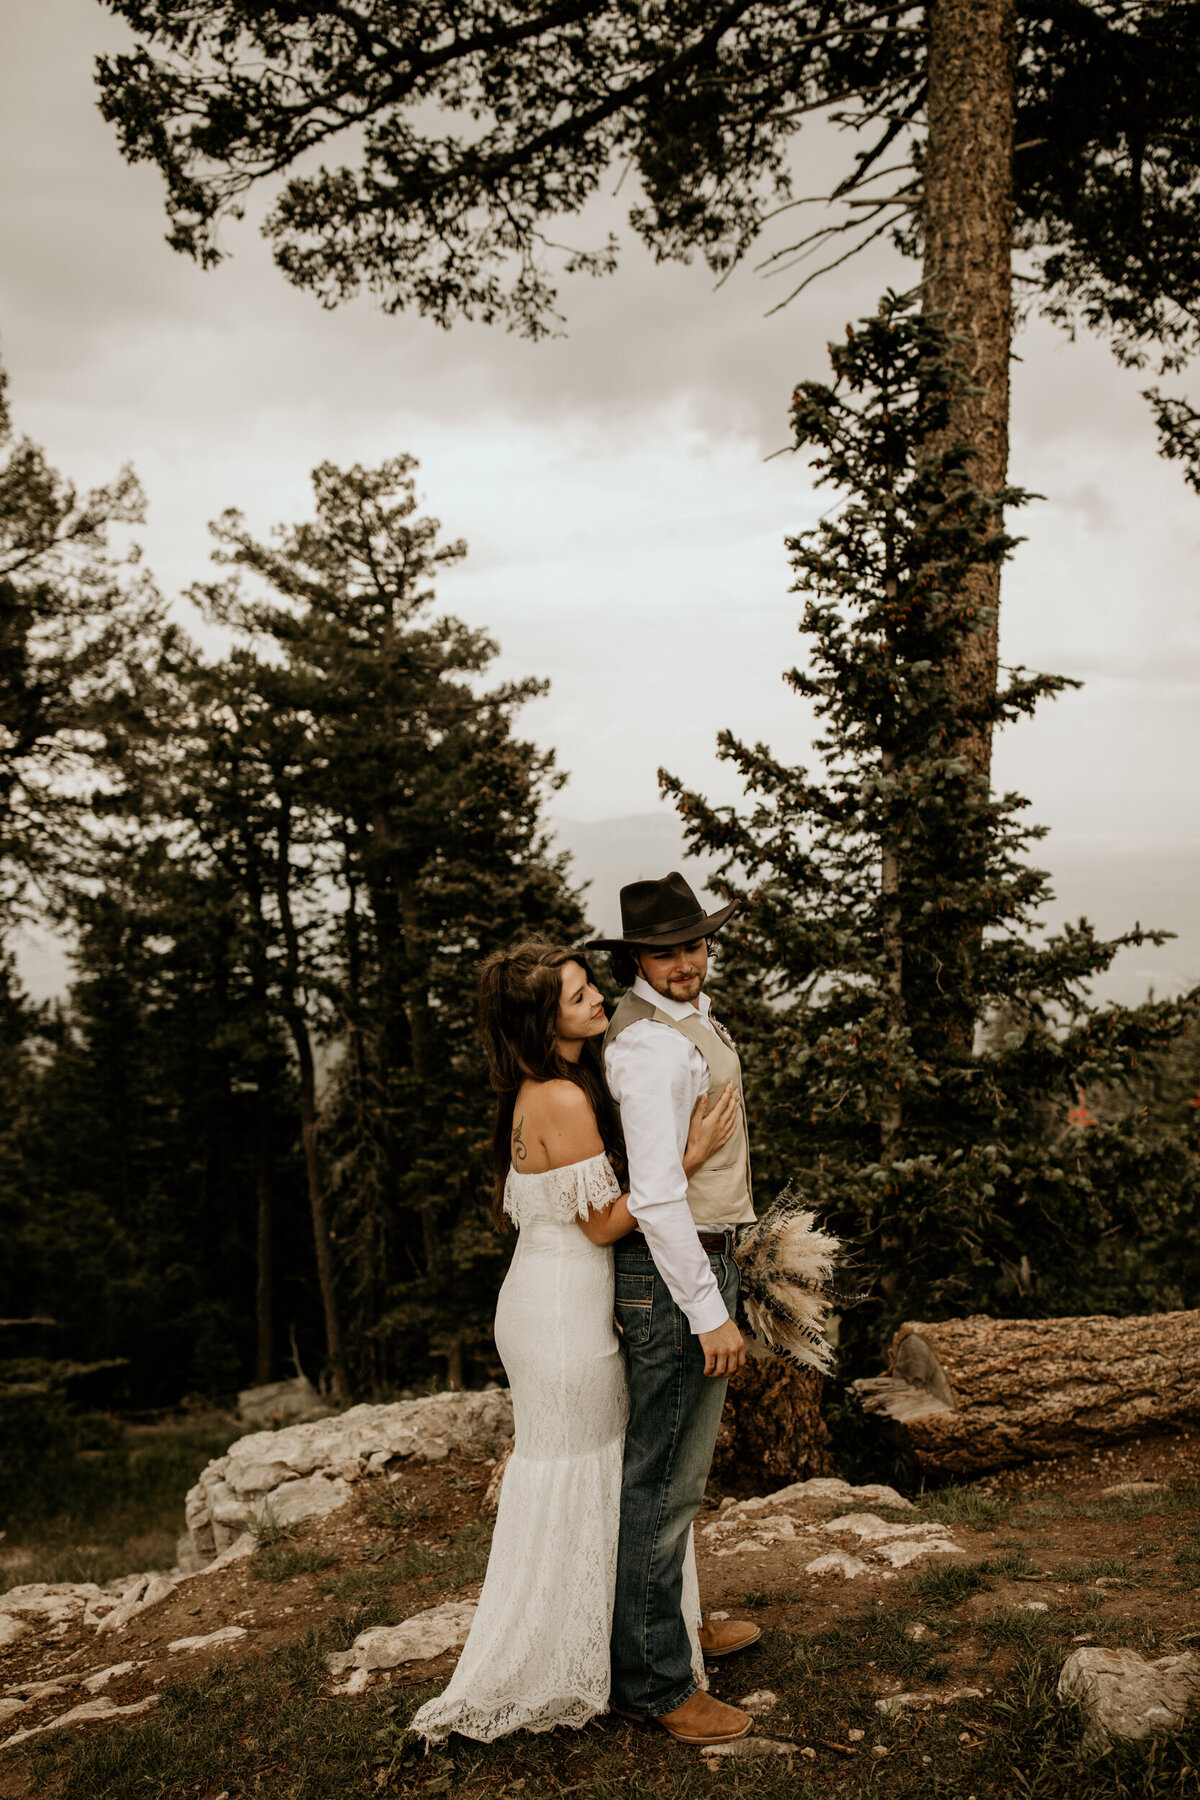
(1111, 884)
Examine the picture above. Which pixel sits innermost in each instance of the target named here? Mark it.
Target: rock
(763, 1700)
(82, 1714)
(278, 1403)
(1119, 1489)
(837, 1562)
(10, 1629)
(310, 1498)
(188, 1560)
(1034, 1606)
(50, 1602)
(150, 1590)
(318, 1461)
(101, 1677)
(10, 1706)
(794, 1513)
(917, 1631)
(898, 1703)
(1124, 1696)
(228, 1634)
(425, 1635)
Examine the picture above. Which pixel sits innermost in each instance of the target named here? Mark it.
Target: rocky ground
(924, 1636)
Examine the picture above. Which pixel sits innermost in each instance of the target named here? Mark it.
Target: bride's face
(580, 1006)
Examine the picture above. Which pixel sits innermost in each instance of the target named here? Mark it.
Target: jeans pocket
(634, 1306)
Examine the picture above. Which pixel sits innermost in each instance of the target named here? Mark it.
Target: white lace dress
(538, 1652)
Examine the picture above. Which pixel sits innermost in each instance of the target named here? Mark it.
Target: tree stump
(771, 1430)
(965, 1395)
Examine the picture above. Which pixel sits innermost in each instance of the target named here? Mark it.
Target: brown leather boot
(725, 1637)
(704, 1720)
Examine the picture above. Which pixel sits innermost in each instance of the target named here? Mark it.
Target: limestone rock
(763, 1700)
(88, 1710)
(148, 1592)
(425, 1635)
(10, 1629)
(797, 1514)
(305, 1470)
(101, 1677)
(1124, 1696)
(228, 1634)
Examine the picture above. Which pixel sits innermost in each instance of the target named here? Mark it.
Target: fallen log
(964, 1395)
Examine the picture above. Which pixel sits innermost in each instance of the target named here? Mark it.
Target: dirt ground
(1120, 1570)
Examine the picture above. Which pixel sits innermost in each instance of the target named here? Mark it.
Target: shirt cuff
(708, 1314)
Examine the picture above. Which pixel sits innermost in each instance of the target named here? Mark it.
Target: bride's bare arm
(606, 1225)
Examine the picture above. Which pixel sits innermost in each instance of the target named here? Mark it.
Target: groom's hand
(724, 1349)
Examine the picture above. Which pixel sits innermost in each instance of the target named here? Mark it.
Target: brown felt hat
(658, 914)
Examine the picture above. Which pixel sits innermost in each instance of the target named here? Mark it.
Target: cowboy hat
(660, 914)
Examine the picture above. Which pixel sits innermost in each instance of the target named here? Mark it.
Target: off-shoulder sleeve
(583, 1187)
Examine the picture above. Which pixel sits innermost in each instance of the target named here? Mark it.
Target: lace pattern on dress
(565, 1194)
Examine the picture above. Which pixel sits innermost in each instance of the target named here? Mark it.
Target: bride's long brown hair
(519, 994)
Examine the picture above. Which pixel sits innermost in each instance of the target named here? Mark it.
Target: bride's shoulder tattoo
(519, 1151)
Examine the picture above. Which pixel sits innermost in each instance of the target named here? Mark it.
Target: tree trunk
(979, 1393)
(771, 1430)
(298, 1026)
(967, 220)
(263, 1319)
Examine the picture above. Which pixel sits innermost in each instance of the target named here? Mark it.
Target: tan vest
(720, 1192)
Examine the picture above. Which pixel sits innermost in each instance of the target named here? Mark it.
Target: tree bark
(263, 1311)
(771, 1430)
(967, 221)
(965, 1395)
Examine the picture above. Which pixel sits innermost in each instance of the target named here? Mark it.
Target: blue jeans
(674, 1412)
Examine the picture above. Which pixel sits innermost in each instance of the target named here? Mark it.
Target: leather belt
(717, 1243)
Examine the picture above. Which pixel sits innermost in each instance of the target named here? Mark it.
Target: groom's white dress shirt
(656, 1077)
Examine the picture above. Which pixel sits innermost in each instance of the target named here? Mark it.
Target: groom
(676, 1297)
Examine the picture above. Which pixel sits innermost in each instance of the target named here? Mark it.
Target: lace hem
(568, 1193)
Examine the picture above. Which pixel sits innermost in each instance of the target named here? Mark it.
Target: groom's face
(677, 973)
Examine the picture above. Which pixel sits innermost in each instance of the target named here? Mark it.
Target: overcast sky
(625, 530)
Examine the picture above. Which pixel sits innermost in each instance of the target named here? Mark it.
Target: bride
(538, 1652)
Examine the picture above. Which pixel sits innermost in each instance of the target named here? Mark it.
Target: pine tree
(916, 1043)
(422, 813)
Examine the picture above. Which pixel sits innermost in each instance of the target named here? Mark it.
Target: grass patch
(451, 1565)
(772, 1597)
(280, 1562)
(873, 1640)
(965, 1506)
(1016, 1629)
(389, 1508)
(949, 1583)
(1092, 1571)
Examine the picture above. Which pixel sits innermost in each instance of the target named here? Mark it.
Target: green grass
(965, 1506)
(266, 1727)
(1093, 1570)
(448, 1566)
(115, 1511)
(389, 1508)
(949, 1583)
(772, 1597)
(280, 1562)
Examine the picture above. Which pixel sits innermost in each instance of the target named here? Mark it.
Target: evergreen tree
(76, 620)
(914, 1044)
(422, 812)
